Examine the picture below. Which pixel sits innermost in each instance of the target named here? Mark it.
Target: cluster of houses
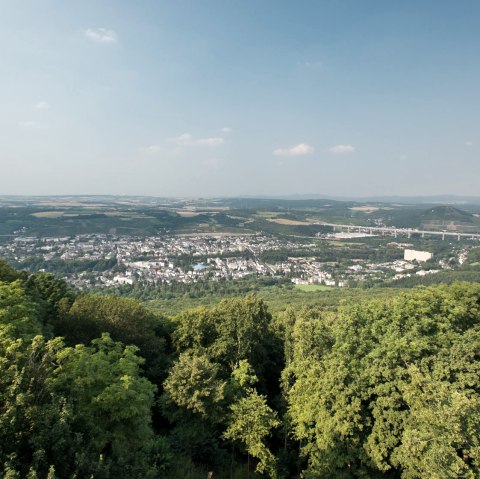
(192, 258)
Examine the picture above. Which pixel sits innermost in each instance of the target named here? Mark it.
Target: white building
(414, 255)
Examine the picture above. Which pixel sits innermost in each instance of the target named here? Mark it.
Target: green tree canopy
(126, 320)
(357, 406)
(236, 329)
(18, 311)
(193, 383)
(251, 422)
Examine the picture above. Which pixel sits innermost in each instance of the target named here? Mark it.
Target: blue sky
(213, 98)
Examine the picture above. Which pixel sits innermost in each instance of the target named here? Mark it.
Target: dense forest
(102, 387)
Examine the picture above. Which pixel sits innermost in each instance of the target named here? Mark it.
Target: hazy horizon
(190, 99)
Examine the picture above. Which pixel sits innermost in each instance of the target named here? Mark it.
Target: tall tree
(251, 422)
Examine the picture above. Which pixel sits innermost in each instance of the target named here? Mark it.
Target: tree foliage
(395, 389)
(71, 412)
(193, 383)
(125, 319)
(388, 388)
(236, 329)
(252, 420)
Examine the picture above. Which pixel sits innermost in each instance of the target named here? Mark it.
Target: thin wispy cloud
(32, 125)
(151, 149)
(180, 139)
(310, 64)
(226, 129)
(469, 143)
(210, 141)
(27, 124)
(212, 162)
(342, 149)
(101, 35)
(187, 139)
(42, 105)
(298, 150)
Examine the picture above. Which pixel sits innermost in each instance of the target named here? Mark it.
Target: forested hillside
(102, 387)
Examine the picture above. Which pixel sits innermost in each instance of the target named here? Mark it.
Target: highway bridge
(384, 230)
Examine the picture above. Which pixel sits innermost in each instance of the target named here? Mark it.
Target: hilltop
(447, 217)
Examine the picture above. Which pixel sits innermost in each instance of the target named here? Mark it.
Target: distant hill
(440, 218)
(405, 200)
(425, 200)
(446, 213)
(448, 218)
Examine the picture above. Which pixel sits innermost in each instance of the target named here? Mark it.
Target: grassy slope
(280, 298)
(312, 287)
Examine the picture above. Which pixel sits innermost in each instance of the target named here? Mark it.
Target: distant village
(165, 260)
